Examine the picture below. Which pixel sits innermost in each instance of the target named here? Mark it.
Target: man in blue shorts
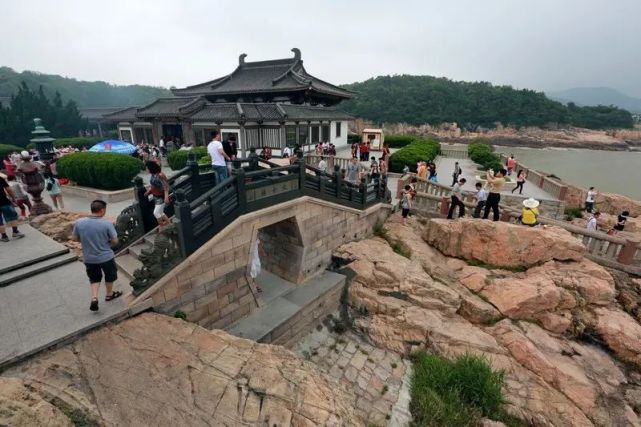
(97, 236)
(8, 213)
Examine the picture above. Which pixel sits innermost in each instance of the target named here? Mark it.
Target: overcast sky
(539, 44)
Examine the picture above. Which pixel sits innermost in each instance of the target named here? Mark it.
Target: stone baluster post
(194, 175)
(338, 180)
(301, 175)
(628, 251)
(445, 205)
(146, 207)
(184, 224)
(363, 190)
(241, 191)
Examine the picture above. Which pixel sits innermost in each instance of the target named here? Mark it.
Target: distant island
(597, 95)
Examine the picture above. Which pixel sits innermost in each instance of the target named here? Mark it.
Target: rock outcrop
(502, 244)
(524, 322)
(59, 226)
(157, 370)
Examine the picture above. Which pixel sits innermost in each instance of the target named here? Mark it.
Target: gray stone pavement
(33, 246)
(45, 309)
(445, 167)
(49, 307)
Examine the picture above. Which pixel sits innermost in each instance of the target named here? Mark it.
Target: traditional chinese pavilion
(273, 103)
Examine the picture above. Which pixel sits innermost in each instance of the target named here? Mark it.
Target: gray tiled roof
(280, 75)
(97, 113)
(164, 107)
(252, 112)
(122, 115)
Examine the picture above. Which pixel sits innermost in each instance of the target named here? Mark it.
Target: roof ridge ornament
(297, 55)
(241, 58)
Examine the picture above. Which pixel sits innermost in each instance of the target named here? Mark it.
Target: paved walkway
(47, 308)
(445, 167)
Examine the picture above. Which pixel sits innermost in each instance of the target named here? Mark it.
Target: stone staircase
(289, 311)
(34, 254)
(128, 261)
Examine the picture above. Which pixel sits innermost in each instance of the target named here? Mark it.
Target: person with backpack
(53, 188)
(457, 172)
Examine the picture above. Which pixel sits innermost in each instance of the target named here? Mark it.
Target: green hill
(426, 99)
(85, 94)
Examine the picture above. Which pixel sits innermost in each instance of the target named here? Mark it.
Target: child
(53, 187)
(481, 197)
(406, 203)
(22, 199)
(375, 170)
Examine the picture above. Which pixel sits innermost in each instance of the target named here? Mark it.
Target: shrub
(571, 213)
(420, 149)
(6, 149)
(399, 141)
(456, 392)
(107, 171)
(178, 159)
(79, 142)
(483, 154)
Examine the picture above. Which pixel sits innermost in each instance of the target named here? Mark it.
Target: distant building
(636, 117)
(271, 103)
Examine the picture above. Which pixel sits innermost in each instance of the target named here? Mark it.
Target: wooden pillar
(156, 131)
(99, 130)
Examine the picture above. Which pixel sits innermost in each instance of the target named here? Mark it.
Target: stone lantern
(44, 142)
(31, 171)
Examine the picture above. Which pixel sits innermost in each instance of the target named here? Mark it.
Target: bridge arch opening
(284, 250)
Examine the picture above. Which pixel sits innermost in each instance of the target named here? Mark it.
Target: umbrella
(113, 146)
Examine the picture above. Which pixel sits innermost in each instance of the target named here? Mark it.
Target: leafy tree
(16, 121)
(426, 99)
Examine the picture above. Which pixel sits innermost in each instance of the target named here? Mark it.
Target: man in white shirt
(481, 198)
(589, 200)
(287, 152)
(218, 157)
(161, 145)
(322, 165)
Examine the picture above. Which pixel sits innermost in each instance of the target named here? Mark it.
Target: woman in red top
(9, 166)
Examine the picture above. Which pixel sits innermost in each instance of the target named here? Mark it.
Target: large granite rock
(157, 370)
(502, 244)
(523, 322)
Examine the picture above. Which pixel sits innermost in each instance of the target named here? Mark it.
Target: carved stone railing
(454, 151)
(551, 186)
(332, 161)
(610, 251)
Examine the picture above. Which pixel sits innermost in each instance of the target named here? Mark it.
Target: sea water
(611, 171)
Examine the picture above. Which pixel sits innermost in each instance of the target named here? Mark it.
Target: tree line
(85, 94)
(59, 117)
(425, 99)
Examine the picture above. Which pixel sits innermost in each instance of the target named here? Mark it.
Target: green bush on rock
(419, 149)
(481, 152)
(178, 159)
(106, 171)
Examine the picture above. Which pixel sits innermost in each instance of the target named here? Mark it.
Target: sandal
(114, 295)
(94, 304)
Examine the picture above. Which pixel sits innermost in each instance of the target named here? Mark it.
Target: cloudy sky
(540, 44)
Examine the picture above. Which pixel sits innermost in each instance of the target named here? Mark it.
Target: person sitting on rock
(530, 212)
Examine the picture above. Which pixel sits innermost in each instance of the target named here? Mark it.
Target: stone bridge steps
(41, 266)
(290, 311)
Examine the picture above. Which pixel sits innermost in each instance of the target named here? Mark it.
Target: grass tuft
(456, 392)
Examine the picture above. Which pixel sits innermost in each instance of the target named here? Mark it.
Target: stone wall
(283, 245)
(293, 329)
(212, 285)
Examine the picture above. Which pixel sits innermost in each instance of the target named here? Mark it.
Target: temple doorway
(173, 131)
